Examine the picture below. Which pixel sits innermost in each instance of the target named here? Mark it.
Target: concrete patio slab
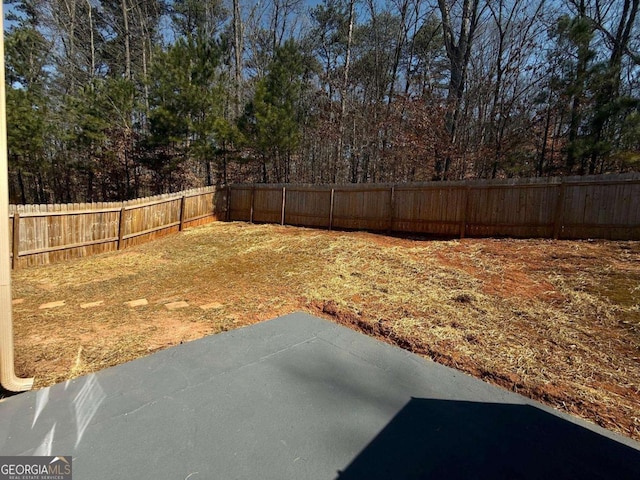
(59, 303)
(176, 305)
(141, 302)
(211, 306)
(97, 303)
(302, 398)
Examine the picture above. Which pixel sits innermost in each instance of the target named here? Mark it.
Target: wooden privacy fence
(42, 234)
(605, 206)
(566, 208)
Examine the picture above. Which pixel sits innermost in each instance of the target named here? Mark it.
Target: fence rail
(604, 206)
(42, 234)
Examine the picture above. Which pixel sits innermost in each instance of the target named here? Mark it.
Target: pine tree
(187, 100)
(27, 105)
(273, 119)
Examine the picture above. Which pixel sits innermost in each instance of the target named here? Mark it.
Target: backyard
(558, 321)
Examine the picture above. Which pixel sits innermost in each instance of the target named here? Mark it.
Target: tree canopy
(109, 100)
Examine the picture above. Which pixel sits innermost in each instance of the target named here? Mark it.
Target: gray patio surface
(302, 398)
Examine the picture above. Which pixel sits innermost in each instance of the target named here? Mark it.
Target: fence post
(227, 213)
(16, 241)
(121, 228)
(284, 201)
(253, 194)
(182, 204)
(333, 192)
(557, 220)
(465, 211)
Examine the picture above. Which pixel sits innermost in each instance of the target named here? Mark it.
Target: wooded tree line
(114, 99)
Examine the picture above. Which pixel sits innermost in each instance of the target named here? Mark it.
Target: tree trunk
(343, 94)
(93, 48)
(458, 52)
(402, 35)
(237, 47)
(610, 91)
(127, 48)
(23, 195)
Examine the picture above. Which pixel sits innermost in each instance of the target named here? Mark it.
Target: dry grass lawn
(558, 321)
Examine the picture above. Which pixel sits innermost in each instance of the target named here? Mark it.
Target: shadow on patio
(455, 439)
